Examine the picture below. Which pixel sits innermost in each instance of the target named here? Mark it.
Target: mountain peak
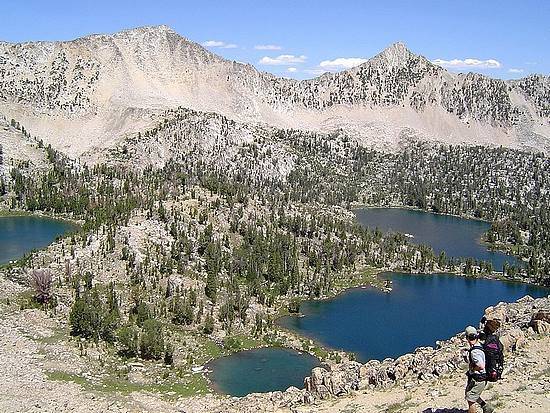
(161, 29)
(395, 54)
(397, 46)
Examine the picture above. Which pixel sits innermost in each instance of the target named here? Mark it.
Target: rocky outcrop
(324, 383)
(524, 317)
(540, 322)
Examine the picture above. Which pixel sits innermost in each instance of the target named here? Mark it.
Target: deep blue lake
(374, 325)
(418, 311)
(19, 235)
(458, 237)
(261, 370)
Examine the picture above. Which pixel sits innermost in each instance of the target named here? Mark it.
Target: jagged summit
(154, 30)
(397, 55)
(159, 28)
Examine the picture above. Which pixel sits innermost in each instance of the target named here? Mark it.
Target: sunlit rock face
(93, 91)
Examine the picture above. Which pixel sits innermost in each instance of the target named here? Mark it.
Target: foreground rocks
(525, 388)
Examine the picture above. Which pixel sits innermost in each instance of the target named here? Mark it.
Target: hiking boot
(488, 408)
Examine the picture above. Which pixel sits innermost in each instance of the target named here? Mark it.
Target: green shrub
(208, 325)
(151, 345)
(85, 316)
(294, 306)
(232, 343)
(128, 338)
(141, 313)
(183, 313)
(91, 318)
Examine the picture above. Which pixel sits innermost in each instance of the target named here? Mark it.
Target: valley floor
(30, 350)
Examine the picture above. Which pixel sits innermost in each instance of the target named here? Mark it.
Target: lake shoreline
(376, 285)
(326, 312)
(261, 358)
(290, 337)
(412, 208)
(51, 215)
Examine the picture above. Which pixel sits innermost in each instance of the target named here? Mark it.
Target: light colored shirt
(477, 358)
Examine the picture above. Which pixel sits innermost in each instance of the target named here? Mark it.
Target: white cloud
(515, 70)
(267, 47)
(220, 44)
(291, 69)
(284, 59)
(341, 63)
(468, 63)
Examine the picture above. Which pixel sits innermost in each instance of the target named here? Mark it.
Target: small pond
(260, 370)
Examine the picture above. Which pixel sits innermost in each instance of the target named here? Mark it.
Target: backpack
(494, 357)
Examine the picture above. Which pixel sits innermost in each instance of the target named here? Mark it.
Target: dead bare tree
(41, 281)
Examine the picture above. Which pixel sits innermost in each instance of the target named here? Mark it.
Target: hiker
(477, 376)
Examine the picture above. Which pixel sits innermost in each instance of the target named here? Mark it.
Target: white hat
(471, 331)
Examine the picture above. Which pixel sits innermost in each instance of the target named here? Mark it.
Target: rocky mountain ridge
(93, 91)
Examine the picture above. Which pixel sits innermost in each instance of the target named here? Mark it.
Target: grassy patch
(206, 350)
(62, 376)
(26, 301)
(195, 384)
(272, 340)
(319, 352)
(365, 276)
(57, 337)
(192, 385)
(240, 342)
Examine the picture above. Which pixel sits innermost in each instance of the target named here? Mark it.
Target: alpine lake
(20, 235)
(373, 324)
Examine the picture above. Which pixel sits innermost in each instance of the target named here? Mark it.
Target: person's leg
(473, 396)
(487, 407)
(467, 390)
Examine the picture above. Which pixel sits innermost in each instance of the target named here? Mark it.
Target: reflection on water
(458, 237)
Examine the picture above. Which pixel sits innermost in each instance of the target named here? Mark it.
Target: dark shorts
(474, 389)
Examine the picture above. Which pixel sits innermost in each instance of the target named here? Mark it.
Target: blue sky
(506, 39)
